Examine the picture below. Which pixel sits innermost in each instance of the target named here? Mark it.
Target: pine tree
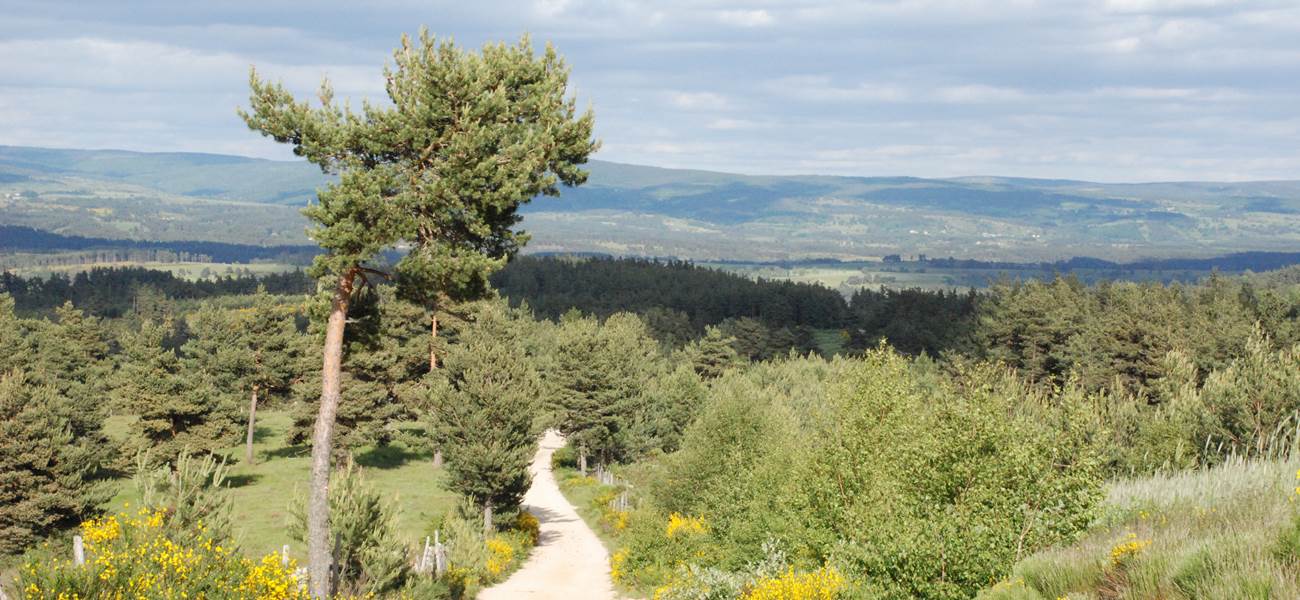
(13, 337)
(599, 371)
(245, 354)
(485, 414)
(178, 409)
(384, 365)
(49, 477)
(712, 354)
(72, 354)
(467, 139)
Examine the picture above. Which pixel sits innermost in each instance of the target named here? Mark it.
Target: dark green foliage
(178, 409)
(485, 405)
(385, 358)
(109, 291)
(241, 350)
(468, 137)
(603, 286)
(49, 475)
(670, 400)
(711, 355)
(912, 321)
(1115, 335)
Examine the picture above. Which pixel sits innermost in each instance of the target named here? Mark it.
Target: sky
(1104, 90)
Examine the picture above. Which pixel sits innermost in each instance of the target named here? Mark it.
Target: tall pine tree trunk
(322, 442)
(433, 366)
(252, 422)
(487, 518)
(582, 461)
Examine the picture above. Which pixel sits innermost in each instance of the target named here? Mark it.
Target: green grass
(192, 271)
(262, 493)
(1227, 532)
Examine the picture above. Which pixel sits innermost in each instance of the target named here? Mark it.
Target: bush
(192, 494)
(135, 556)
(907, 481)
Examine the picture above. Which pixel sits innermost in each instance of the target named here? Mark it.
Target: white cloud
(746, 18)
(731, 124)
(698, 100)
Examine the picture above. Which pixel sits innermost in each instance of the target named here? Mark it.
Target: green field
(185, 270)
(851, 276)
(262, 493)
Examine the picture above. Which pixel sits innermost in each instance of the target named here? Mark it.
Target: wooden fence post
(439, 556)
(78, 551)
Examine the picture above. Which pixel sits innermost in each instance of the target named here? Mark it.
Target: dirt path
(569, 562)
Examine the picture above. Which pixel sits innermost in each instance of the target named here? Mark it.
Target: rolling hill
(638, 210)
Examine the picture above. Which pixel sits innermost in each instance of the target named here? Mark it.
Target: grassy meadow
(262, 493)
(1231, 531)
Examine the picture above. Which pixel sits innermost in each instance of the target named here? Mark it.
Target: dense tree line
(15, 238)
(114, 291)
(603, 286)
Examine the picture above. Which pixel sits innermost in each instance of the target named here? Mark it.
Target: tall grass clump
(1227, 531)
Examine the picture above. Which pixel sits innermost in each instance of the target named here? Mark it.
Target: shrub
(527, 524)
(192, 494)
(135, 556)
(822, 584)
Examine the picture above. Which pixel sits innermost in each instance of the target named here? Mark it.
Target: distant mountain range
(648, 211)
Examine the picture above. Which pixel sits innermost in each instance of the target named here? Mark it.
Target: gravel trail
(569, 562)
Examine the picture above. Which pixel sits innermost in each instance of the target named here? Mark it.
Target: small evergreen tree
(485, 413)
(712, 354)
(599, 371)
(178, 410)
(49, 477)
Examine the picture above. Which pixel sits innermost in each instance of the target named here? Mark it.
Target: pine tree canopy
(467, 138)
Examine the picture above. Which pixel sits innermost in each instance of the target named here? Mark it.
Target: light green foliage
(1248, 407)
(49, 476)
(933, 488)
(368, 557)
(909, 481)
(1222, 532)
(191, 493)
(484, 406)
